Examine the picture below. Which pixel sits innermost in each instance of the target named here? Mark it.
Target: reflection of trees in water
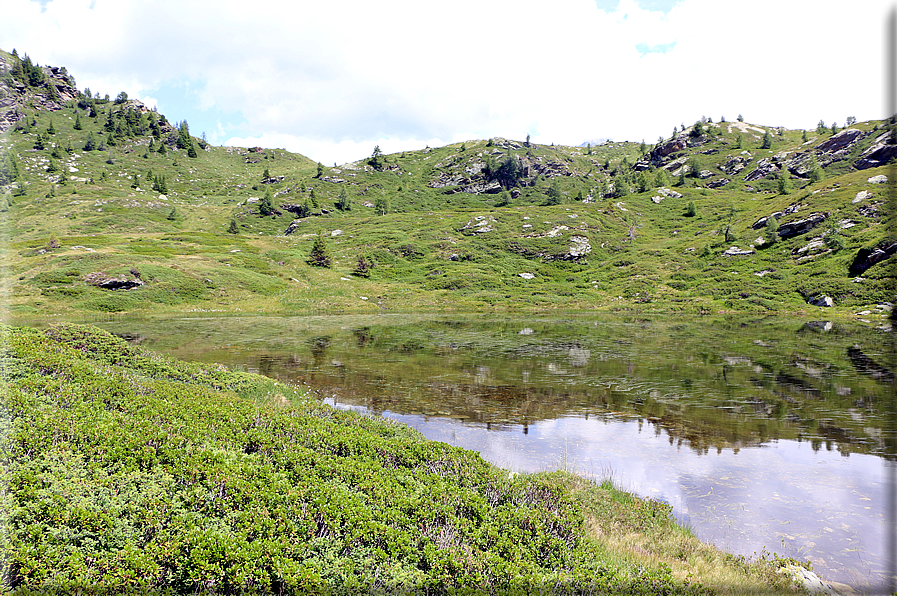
(319, 347)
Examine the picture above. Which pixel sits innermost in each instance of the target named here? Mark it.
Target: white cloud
(349, 74)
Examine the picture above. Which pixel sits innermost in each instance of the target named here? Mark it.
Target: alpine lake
(765, 434)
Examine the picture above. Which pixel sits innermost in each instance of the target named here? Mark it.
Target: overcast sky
(332, 79)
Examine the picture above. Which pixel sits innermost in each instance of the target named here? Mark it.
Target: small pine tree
(771, 231)
(266, 174)
(784, 181)
(319, 256)
(266, 206)
(803, 137)
(834, 128)
(690, 209)
(832, 235)
(767, 141)
(738, 141)
(39, 142)
(343, 202)
(320, 171)
(172, 215)
(162, 149)
(232, 228)
(821, 128)
(381, 204)
(51, 130)
(78, 122)
(363, 267)
(740, 118)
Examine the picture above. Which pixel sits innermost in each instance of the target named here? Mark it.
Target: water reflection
(761, 433)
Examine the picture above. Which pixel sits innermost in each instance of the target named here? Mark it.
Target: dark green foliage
(320, 255)
(160, 184)
(834, 128)
(783, 182)
(162, 150)
(767, 141)
(9, 168)
(343, 202)
(376, 159)
(621, 186)
(232, 227)
(832, 236)
(553, 194)
(90, 144)
(39, 142)
(172, 215)
(363, 266)
(381, 204)
(78, 125)
(266, 205)
(690, 209)
(821, 128)
(320, 170)
(508, 173)
(51, 130)
(771, 231)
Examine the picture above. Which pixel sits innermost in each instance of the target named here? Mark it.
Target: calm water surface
(762, 434)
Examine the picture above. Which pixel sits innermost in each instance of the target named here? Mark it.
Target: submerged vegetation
(130, 470)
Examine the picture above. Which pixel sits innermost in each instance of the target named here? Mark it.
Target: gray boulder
(801, 226)
(821, 300)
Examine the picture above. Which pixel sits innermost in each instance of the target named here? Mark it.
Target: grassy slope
(127, 470)
(426, 250)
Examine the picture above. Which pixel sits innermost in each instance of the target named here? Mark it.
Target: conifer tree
(78, 121)
(784, 181)
(319, 256)
(320, 171)
(767, 141)
(266, 206)
(232, 228)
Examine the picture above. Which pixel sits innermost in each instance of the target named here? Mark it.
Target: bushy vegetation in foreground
(129, 471)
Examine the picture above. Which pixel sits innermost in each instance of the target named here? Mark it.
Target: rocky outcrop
(842, 141)
(734, 251)
(764, 168)
(736, 163)
(801, 226)
(663, 153)
(867, 257)
(718, 183)
(51, 95)
(879, 154)
(294, 225)
(821, 300)
(107, 282)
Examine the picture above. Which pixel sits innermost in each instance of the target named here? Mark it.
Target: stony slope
(141, 219)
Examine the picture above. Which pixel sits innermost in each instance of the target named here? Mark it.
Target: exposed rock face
(821, 301)
(736, 163)
(718, 183)
(734, 251)
(760, 223)
(704, 174)
(801, 226)
(862, 196)
(663, 153)
(17, 94)
(879, 154)
(107, 282)
(764, 168)
(669, 193)
(841, 141)
(294, 225)
(880, 179)
(868, 257)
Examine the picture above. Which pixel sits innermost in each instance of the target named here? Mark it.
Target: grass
(427, 250)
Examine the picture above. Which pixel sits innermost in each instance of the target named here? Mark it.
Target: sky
(331, 80)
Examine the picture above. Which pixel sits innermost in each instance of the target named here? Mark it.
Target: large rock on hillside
(867, 257)
(840, 141)
(764, 168)
(663, 153)
(736, 163)
(801, 226)
(879, 154)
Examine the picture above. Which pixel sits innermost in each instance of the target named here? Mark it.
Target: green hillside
(109, 207)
